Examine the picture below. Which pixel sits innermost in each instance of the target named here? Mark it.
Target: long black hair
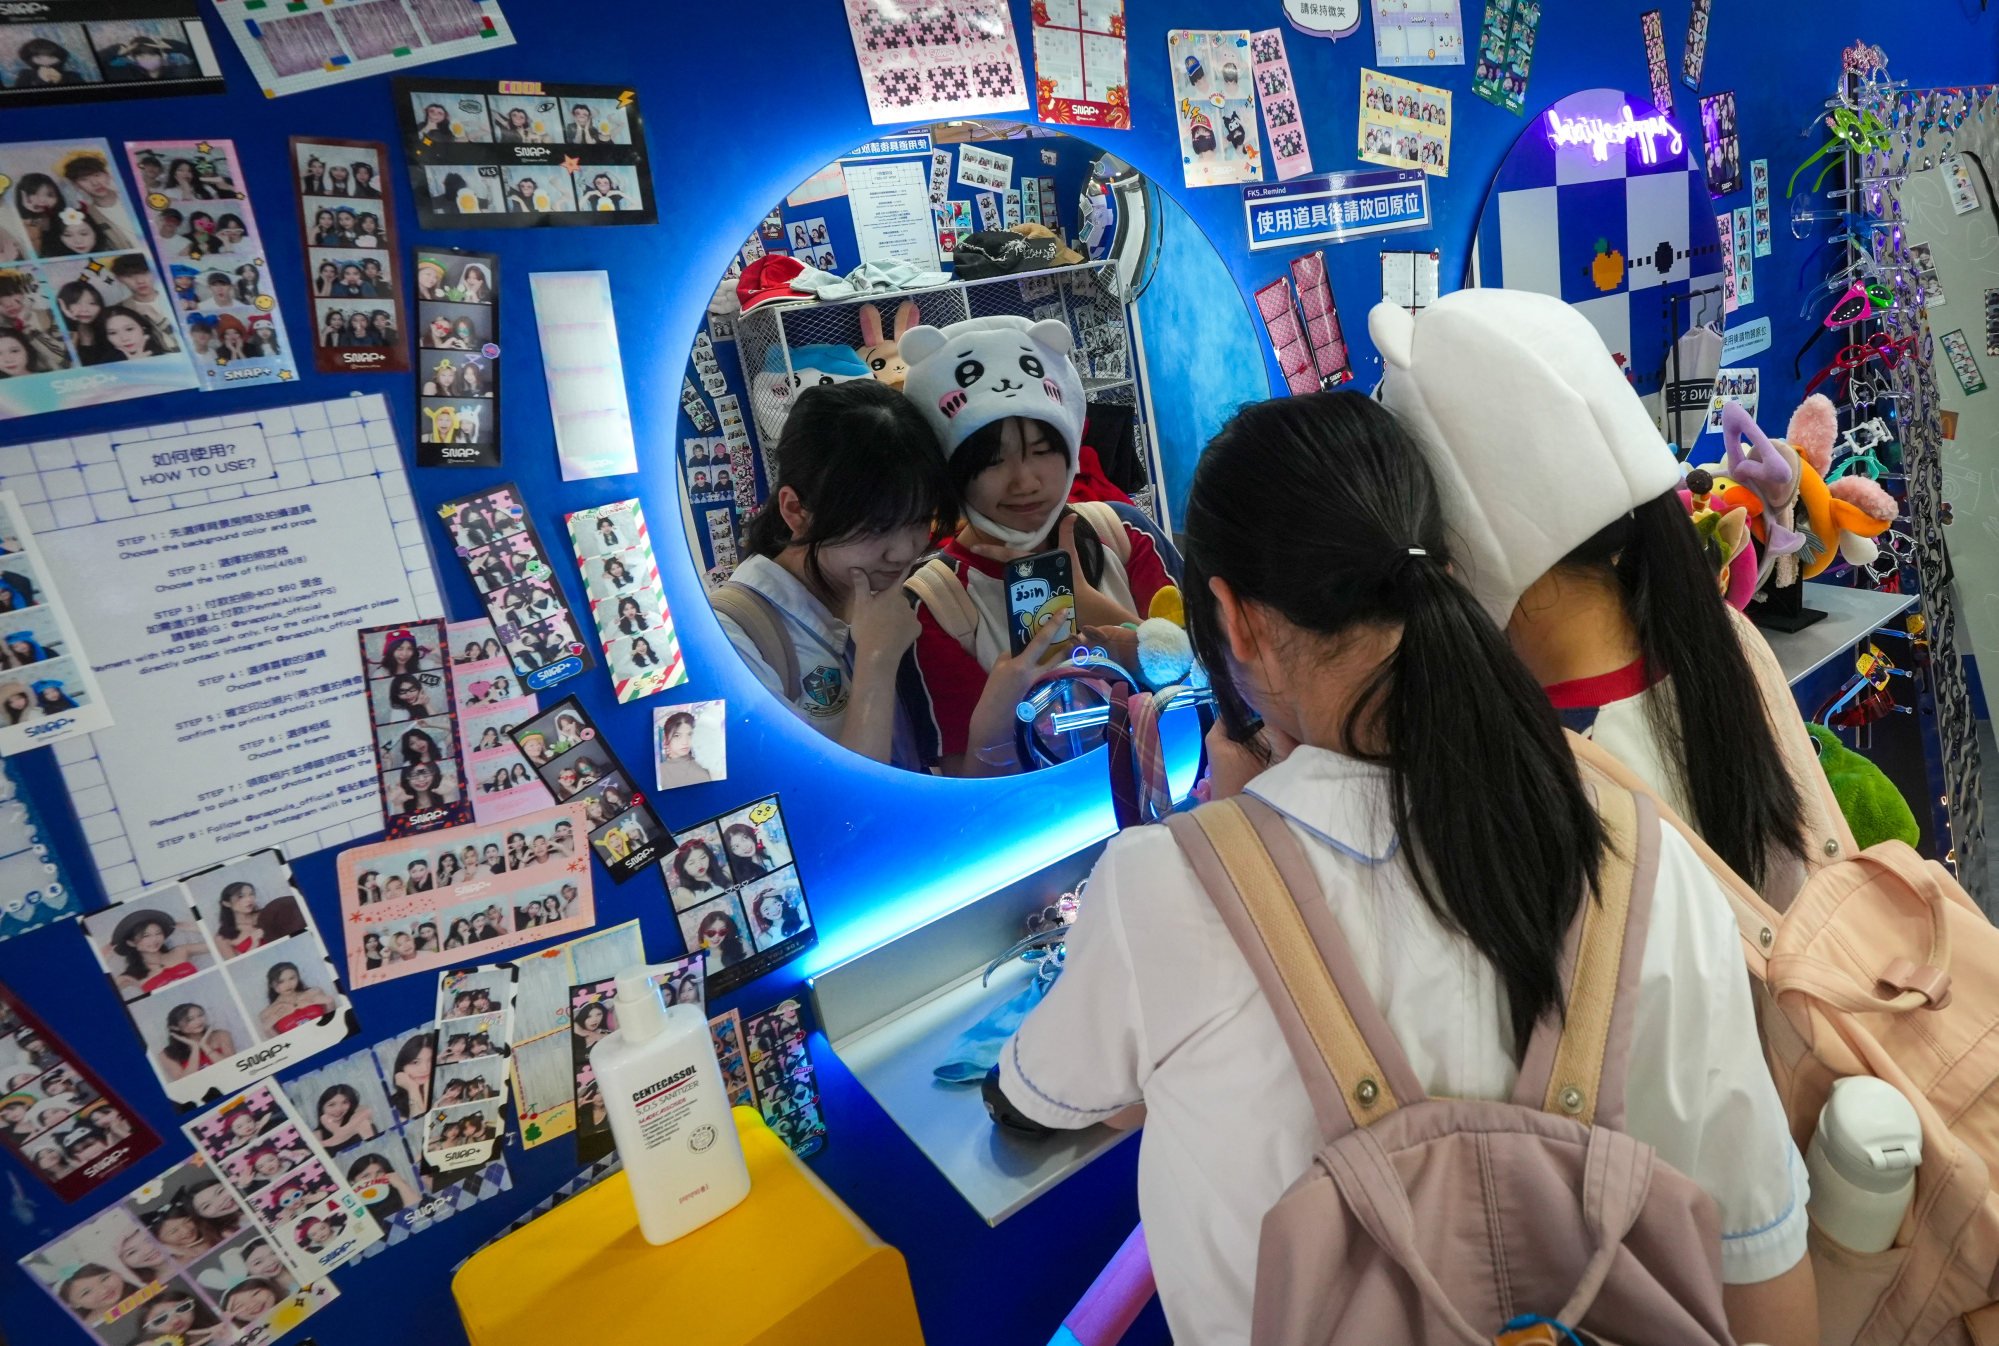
(863, 461)
(981, 449)
(1714, 730)
(225, 915)
(1310, 507)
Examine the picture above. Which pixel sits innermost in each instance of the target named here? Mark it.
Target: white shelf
(1850, 614)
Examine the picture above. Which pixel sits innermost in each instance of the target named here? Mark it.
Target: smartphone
(1039, 590)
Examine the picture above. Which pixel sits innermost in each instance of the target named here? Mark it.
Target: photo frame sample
(1220, 143)
(497, 544)
(93, 51)
(177, 1256)
(1723, 145)
(593, 1016)
(579, 767)
(57, 1116)
(787, 1086)
(419, 749)
(35, 889)
(544, 1077)
(458, 358)
(206, 238)
(690, 743)
(47, 690)
(223, 976)
(347, 223)
(1405, 124)
(490, 703)
(578, 330)
(317, 45)
(511, 154)
(736, 895)
(400, 920)
(627, 600)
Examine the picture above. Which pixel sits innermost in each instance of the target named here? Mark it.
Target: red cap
(768, 280)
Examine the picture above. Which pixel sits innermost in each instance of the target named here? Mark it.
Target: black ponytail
(1714, 729)
(1323, 510)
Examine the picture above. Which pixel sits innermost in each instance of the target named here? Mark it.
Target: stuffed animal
(1800, 519)
(1873, 807)
(883, 357)
(772, 391)
(1847, 514)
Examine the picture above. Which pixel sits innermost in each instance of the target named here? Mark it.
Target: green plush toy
(1874, 808)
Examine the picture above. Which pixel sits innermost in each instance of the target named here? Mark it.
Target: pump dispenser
(669, 1113)
(1862, 1162)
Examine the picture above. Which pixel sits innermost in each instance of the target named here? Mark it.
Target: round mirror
(1108, 342)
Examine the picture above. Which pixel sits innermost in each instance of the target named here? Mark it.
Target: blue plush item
(977, 1050)
(843, 362)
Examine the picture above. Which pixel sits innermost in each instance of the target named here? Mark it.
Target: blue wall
(741, 105)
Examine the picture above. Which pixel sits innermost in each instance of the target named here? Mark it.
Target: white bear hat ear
(1394, 332)
(920, 343)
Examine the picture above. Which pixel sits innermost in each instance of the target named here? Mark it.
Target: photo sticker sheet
(266, 1155)
(690, 744)
(1418, 32)
(47, 690)
(85, 317)
(347, 218)
(579, 768)
(35, 889)
(627, 600)
(736, 894)
(497, 544)
(491, 702)
(91, 51)
(308, 46)
(57, 1116)
(787, 1087)
(206, 239)
(458, 358)
(179, 1259)
(223, 975)
(1405, 125)
(946, 58)
(544, 1069)
(1214, 107)
(418, 748)
(514, 153)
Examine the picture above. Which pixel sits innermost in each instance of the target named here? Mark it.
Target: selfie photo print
(92, 51)
(458, 358)
(206, 238)
(223, 976)
(490, 701)
(593, 1016)
(347, 220)
(57, 1116)
(417, 746)
(178, 1259)
(580, 770)
(47, 690)
(736, 894)
(497, 544)
(627, 600)
(486, 154)
(426, 902)
(690, 744)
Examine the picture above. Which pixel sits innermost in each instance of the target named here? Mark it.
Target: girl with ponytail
(1366, 697)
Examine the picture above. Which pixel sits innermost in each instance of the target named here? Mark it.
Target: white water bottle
(1862, 1162)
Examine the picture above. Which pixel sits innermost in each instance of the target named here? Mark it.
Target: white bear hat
(1537, 439)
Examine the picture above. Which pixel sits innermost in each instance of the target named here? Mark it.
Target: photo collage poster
(581, 770)
(310, 46)
(57, 1116)
(413, 710)
(177, 1260)
(1404, 124)
(736, 894)
(206, 238)
(458, 358)
(1214, 106)
(35, 889)
(503, 885)
(543, 1063)
(491, 702)
(90, 51)
(85, 316)
(347, 219)
(517, 153)
(593, 1016)
(627, 600)
(48, 692)
(787, 1086)
(497, 544)
(223, 975)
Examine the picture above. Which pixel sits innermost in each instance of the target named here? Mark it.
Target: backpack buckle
(1933, 984)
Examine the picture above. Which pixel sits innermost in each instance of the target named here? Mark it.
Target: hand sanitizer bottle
(1862, 1162)
(668, 1112)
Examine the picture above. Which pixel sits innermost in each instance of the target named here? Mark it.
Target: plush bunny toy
(883, 357)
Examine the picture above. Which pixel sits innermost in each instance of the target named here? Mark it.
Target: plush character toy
(883, 356)
(1846, 514)
(1801, 520)
(1726, 539)
(1874, 808)
(772, 392)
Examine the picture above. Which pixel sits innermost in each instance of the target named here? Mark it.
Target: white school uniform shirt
(1157, 1004)
(825, 656)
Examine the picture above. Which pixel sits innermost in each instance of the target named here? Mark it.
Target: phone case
(1038, 589)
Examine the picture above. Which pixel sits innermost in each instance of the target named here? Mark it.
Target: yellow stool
(790, 1265)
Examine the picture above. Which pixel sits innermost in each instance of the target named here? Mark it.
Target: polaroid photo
(57, 1116)
(690, 744)
(544, 649)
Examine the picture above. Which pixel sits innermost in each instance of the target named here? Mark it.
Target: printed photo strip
(690, 744)
(98, 52)
(206, 239)
(491, 702)
(418, 750)
(308, 47)
(56, 1115)
(429, 901)
(223, 975)
(47, 691)
(726, 1030)
(265, 1154)
(787, 1087)
(77, 288)
(544, 1073)
(458, 358)
(593, 1016)
(347, 219)
(35, 889)
(627, 600)
(177, 1260)
(1723, 145)
(736, 894)
(1404, 124)
(497, 544)
(475, 1008)
(514, 153)
(578, 766)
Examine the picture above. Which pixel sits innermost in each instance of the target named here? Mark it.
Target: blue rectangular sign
(1335, 207)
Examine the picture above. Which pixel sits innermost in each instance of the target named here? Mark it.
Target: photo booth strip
(1432, 34)
(412, 705)
(582, 771)
(490, 703)
(510, 154)
(737, 896)
(35, 889)
(466, 1123)
(398, 920)
(1723, 148)
(1322, 319)
(458, 358)
(1277, 94)
(94, 51)
(1404, 124)
(1759, 205)
(1745, 256)
(497, 544)
(787, 1086)
(269, 1158)
(1696, 57)
(47, 675)
(223, 975)
(308, 47)
(345, 222)
(175, 1256)
(627, 602)
(1652, 24)
(205, 236)
(593, 1015)
(726, 1030)
(1506, 53)
(544, 1077)
(57, 1116)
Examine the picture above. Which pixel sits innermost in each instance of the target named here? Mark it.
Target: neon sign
(1600, 135)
